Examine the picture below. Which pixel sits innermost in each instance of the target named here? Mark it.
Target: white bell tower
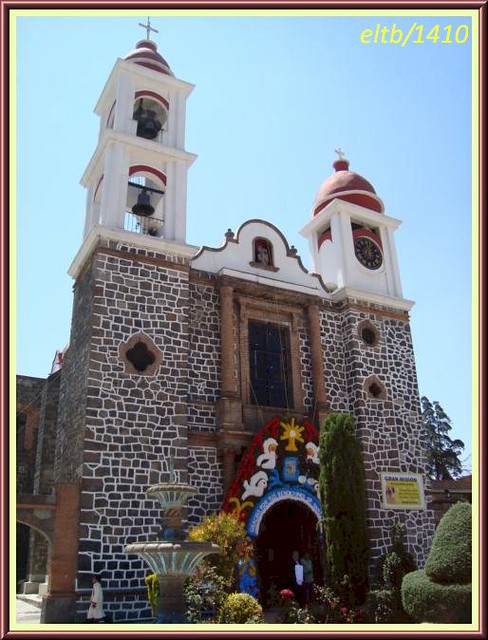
(351, 239)
(137, 176)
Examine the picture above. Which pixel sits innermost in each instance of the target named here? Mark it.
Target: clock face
(368, 253)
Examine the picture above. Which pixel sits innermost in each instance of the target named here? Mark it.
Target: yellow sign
(402, 490)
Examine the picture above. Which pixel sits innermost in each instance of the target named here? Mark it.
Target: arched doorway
(22, 552)
(288, 525)
(275, 494)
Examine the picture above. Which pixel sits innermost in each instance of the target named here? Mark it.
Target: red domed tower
(348, 186)
(351, 239)
(146, 54)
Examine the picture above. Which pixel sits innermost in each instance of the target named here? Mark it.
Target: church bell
(148, 126)
(143, 206)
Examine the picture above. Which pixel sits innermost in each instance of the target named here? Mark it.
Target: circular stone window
(368, 333)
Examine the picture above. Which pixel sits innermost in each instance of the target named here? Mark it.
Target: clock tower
(351, 238)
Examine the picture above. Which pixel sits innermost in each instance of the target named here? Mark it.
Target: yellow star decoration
(292, 433)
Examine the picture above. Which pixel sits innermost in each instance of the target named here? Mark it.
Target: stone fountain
(172, 558)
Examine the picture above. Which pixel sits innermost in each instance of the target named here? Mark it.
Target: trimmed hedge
(442, 591)
(449, 559)
(428, 601)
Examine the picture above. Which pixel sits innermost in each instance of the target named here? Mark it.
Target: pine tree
(343, 497)
(443, 453)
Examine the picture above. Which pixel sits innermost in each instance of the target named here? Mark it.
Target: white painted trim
(110, 135)
(140, 241)
(272, 282)
(360, 214)
(348, 293)
(351, 192)
(152, 77)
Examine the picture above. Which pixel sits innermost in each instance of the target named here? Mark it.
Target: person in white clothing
(95, 610)
(296, 576)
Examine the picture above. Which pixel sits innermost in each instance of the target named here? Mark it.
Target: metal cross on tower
(340, 153)
(148, 28)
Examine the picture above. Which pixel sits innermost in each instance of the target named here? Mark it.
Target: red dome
(146, 54)
(349, 186)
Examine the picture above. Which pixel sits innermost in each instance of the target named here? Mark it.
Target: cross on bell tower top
(148, 28)
(341, 164)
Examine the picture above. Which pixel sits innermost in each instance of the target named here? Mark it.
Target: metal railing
(148, 226)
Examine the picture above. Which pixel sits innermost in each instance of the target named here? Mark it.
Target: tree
(343, 497)
(443, 453)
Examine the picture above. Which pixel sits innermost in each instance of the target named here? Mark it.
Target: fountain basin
(171, 495)
(172, 559)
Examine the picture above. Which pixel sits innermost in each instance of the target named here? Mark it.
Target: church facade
(215, 366)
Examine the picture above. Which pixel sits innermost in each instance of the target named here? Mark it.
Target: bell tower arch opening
(145, 202)
(288, 525)
(150, 114)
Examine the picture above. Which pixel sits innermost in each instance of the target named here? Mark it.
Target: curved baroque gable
(238, 256)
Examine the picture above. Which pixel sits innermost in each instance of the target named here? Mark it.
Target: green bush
(429, 601)
(450, 556)
(442, 591)
(240, 608)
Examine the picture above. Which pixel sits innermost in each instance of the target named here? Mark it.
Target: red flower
(344, 610)
(287, 593)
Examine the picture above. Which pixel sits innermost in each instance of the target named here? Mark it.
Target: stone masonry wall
(135, 424)
(389, 427)
(205, 473)
(72, 393)
(306, 370)
(44, 474)
(335, 361)
(29, 397)
(204, 355)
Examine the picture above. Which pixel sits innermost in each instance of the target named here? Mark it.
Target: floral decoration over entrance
(282, 463)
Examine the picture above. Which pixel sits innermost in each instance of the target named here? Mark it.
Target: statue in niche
(262, 251)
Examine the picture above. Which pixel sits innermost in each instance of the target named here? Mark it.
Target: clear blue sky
(274, 96)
